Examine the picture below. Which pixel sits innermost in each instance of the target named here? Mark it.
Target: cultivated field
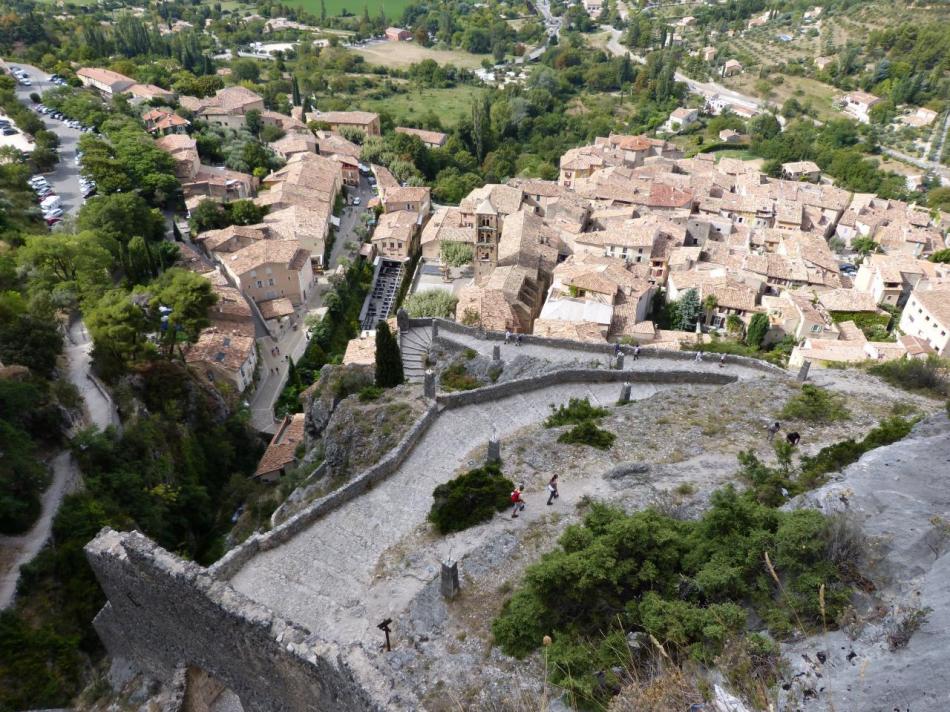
(448, 104)
(392, 8)
(402, 54)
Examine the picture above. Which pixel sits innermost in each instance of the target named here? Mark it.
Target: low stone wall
(235, 559)
(579, 375)
(164, 612)
(646, 352)
(292, 503)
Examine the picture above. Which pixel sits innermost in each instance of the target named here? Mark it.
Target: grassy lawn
(393, 8)
(803, 89)
(402, 54)
(448, 104)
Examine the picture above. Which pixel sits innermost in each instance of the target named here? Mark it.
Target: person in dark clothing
(773, 430)
(553, 494)
(793, 439)
(519, 339)
(636, 352)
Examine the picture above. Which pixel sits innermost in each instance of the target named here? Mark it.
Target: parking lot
(64, 179)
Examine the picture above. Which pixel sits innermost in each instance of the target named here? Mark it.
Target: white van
(51, 202)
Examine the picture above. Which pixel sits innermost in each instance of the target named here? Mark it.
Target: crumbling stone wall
(165, 613)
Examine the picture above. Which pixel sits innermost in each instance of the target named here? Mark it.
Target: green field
(393, 8)
(447, 104)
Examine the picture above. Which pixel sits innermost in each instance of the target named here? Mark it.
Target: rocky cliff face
(892, 652)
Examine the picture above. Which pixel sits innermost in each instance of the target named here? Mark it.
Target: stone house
(365, 121)
(801, 170)
(398, 34)
(228, 107)
(163, 121)
(269, 269)
(281, 453)
(731, 68)
(859, 105)
(219, 358)
(682, 118)
(395, 235)
(431, 139)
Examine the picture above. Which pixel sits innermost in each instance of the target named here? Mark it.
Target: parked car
(357, 200)
(53, 220)
(10, 131)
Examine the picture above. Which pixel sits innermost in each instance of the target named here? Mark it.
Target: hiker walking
(722, 360)
(517, 501)
(636, 352)
(617, 349)
(773, 429)
(519, 339)
(793, 439)
(699, 356)
(553, 494)
(507, 336)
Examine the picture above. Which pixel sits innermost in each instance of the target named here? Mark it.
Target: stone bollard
(619, 365)
(496, 353)
(402, 320)
(428, 385)
(450, 579)
(494, 450)
(625, 390)
(435, 329)
(803, 371)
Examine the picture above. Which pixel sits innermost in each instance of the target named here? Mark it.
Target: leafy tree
(253, 121)
(71, 268)
(942, 256)
(121, 216)
(246, 70)
(28, 336)
(389, 371)
(758, 328)
(865, 245)
(188, 295)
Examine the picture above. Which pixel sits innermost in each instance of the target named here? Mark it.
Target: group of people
(517, 496)
(773, 429)
(508, 336)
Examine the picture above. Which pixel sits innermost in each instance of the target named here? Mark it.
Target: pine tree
(323, 13)
(688, 311)
(294, 91)
(388, 359)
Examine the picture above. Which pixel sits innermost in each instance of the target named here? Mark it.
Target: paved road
(17, 551)
(293, 344)
(65, 177)
(925, 164)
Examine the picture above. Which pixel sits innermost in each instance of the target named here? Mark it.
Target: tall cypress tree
(388, 359)
(294, 91)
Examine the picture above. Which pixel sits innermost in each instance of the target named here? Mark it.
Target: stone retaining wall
(579, 375)
(164, 612)
(232, 562)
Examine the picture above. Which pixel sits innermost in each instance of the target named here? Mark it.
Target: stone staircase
(414, 346)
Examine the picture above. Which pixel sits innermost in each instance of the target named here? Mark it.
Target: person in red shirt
(517, 501)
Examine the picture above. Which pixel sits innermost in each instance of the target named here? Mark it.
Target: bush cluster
(583, 416)
(457, 378)
(690, 584)
(928, 377)
(815, 405)
(470, 499)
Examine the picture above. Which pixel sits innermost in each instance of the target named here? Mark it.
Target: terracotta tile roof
(105, 76)
(347, 118)
(937, 302)
(847, 300)
(428, 137)
(282, 448)
(276, 308)
(409, 194)
(227, 351)
(255, 256)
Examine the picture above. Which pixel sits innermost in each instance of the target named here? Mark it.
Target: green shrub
(470, 499)
(457, 378)
(577, 410)
(370, 393)
(690, 584)
(815, 405)
(924, 376)
(587, 433)
(433, 302)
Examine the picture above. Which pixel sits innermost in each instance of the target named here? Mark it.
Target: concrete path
(325, 578)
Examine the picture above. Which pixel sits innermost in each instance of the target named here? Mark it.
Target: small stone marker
(428, 386)
(803, 371)
(402, 320)
(625, 393)
(496, 352)
(494, 449)
(450, 579)
(620, 361)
